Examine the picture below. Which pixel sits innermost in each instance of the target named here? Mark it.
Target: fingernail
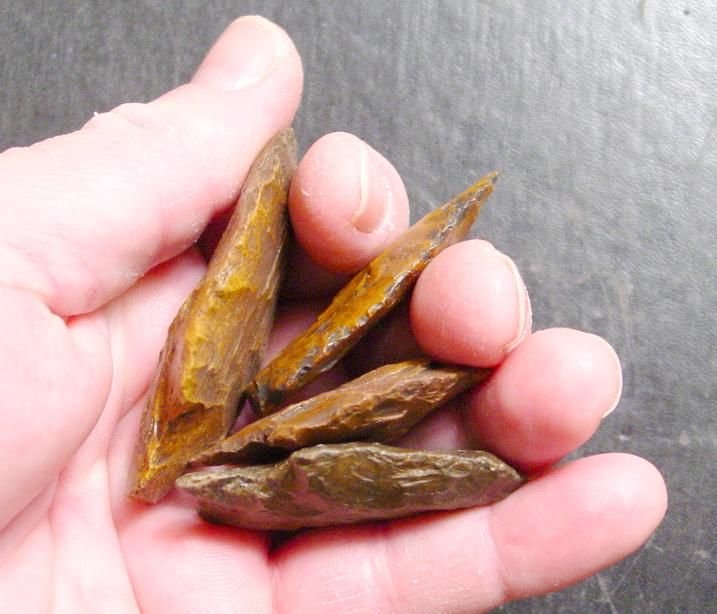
(525, 313)
(247, 52)
(374, 194)
(618, 392)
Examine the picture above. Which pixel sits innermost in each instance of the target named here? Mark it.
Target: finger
(538, 540)
(470, 305)
(92, 211)
(547, 398)
(347, 203)
(543, 402)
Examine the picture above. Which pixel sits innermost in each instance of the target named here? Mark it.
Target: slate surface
(601, 116)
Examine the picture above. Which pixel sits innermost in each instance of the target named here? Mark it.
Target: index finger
(347, 204)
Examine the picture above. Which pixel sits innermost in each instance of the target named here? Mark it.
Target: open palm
(96, 255)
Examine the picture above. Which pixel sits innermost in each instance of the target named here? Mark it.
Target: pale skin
(96, 235)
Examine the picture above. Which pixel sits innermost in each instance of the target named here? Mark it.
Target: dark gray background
(601, 116)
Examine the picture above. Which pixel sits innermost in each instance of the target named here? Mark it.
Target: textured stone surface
(217, 341)
(348, 482)
(379, 406)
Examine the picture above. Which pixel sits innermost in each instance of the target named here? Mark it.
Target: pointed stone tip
(481, 189)
(488, 180)
(149, 489)
(139, 487)
(145, 495)
(287, 135)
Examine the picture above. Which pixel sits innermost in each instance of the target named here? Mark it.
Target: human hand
(96, 252)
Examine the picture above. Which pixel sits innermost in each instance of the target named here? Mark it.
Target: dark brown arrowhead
(379, 406)
(350, 482)
(216, 342)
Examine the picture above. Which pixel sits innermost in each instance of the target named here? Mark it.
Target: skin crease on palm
(96, 235)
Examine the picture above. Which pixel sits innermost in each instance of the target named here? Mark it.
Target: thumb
(82, 216)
